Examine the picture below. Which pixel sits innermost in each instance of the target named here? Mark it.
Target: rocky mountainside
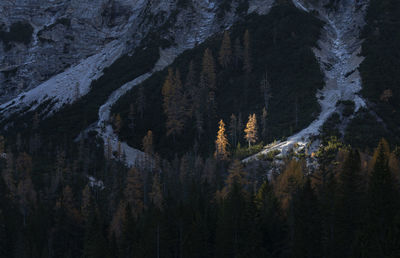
(42, 38)
(58, 54)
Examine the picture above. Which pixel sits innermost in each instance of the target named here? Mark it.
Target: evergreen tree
(288, 182)
(95, 243)
(269, 223)
(238, 52)
(141, 101)
(380, 235)
(225, 53)
(134, 191)
(147, 142)
(174, 103)
(265, 87)
(208, 88)
(233, 221)
(305, 223)
(251, 130)
(221, 143)
(348, 205)
(233, 130)
(117, 123)
(247, 62)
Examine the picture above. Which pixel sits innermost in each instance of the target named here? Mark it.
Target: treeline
(348, 206)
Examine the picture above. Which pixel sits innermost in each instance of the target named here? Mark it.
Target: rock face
(69, 42)
(42, 38)
(63, 33)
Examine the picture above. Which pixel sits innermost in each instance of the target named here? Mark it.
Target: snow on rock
(65, 87)
(95, 183)
(339, 56)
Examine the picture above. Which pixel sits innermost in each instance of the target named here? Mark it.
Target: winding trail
(338, 53)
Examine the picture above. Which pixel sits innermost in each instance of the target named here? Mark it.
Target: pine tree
(236, 175)
(238, 52)
(380, 235)
(348, 204)
(232, 226)
(269, 223)
(247, 63)
(225, 53)
(148, 143)
(233, 130)
(208, 88)
(156, 195)
(86, 204)
(264, 125)
(265, 87)
(288, 182)
(141, 101)
(221, 143)
(117, 123)
(131, 117)
(134, 191)
(251, 130)
(174, 103)
(95, 244)
(191, 90)
(305, 228)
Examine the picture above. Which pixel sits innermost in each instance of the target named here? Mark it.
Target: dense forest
(64, 192)
(60, 200)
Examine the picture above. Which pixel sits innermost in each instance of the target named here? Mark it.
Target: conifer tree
(288, 182)
(191, 90)
(208, 87)
(251, 130)
(269, 222)
(134, 191)
(236, 175)
(156, 195)
(225, 53)
(131, 116)
(221, 143)
(305, 225)
(141, 101)
(117, 123)
(379, 234)
(86, 204)
(348, 204)
(174, 103)
(265, 87)
(233, 130)
(247, 62)
(233, 219)
(238, 52)
(264, 125)
(148, 147)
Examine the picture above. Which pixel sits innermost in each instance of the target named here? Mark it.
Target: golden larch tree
(221, 144)
(251, 130)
